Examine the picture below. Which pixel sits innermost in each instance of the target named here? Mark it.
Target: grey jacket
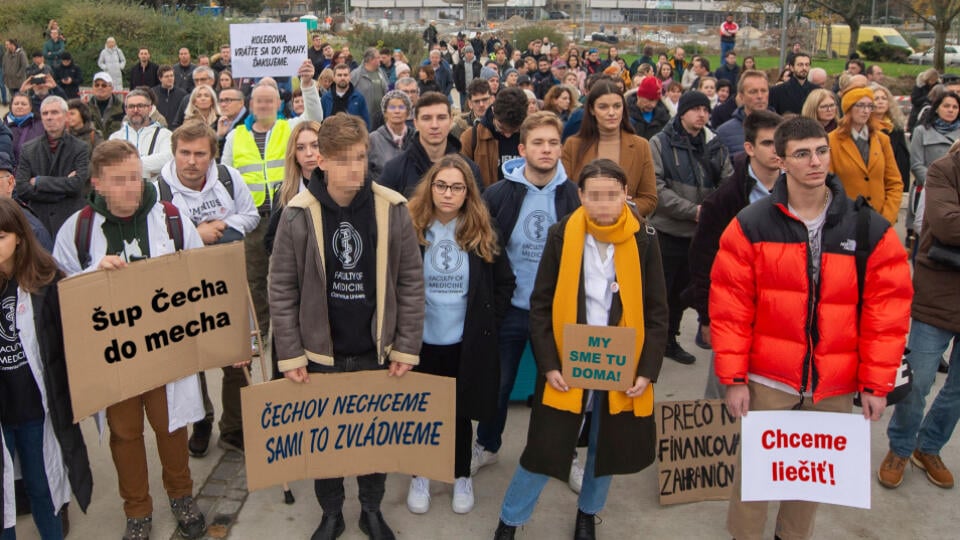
(372, 86)
(14, 68)
(298, 288)
(383, 149)
(685, 177)
(926, 146)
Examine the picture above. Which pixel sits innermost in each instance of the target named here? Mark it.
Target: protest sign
(267, 49)
(347, 424)
(131, 330)
(599, 357)
(806, 456)
(697, 446)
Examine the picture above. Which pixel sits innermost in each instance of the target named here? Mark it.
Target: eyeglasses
(802, 155)
(100, 85)
(865, 106)
(396, 107)
(229, 100)
(827, 107)
(440, 188)
(136, 106)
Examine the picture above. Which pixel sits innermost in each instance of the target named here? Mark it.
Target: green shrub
(410, 42)
(878, 51)
(691, 48)
(524, 36)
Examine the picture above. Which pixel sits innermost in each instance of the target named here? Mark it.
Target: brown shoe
(937, 472)
(891, 470)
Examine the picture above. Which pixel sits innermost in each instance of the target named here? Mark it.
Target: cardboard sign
(697, 447)
(807, 456)
(347, 424)
(159, 320)
(599, 357)
(267, 49)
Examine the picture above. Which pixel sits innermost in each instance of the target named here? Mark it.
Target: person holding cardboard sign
(125, 222)
(611, 259)
(35, 413)
(346, 247)
(468, 285)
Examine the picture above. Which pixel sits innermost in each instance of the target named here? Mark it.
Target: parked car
(951, 56)
(606, 38)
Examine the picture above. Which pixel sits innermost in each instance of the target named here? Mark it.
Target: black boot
(330, 528)
(585, 528)
(675, 352)
(374, 526)
(504, 531)
(199, 443)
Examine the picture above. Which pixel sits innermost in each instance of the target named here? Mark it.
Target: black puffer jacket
(661, 117)
(404, 172)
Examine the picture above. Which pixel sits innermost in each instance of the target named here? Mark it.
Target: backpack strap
(223, 174)
(174, 223)
(153, 141)
(862, 252)
(82, 234)
(166, 194)
(474, 150)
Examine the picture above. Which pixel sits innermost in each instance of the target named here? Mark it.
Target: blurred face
(144, 56)
(74, 119)
(827, 110)
(755, 95)
(138, 111)
(168, 79)
(749, 63)
(603, 199)
(807, 161)
(763, 153)
(568, 79)
(193, 158)
(731, 59)
(102, 90)
(563, 101)
(434, 58)
(948, 109)
(346, 169)
(231, 101)
(111, 43)
(679, 54)
(479, 104)
(264, 102)
(397, 112)
(433, 124)
(853, 69)
(695, 119)
(54, 34)
(593, 56)
(316, 42)
(20, 106)
(307, 151)
(54, 118)
(542, 149)
(608, 110)
(449, 190)
(341, 78)
(613, 52)
(121, 186)
(861, 111)
(709, 88)
(327, 51)
(183, 55)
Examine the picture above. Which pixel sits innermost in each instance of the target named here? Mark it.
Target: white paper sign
(807, 456)
(268, 49)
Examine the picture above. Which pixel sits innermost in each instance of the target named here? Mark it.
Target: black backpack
(223, 175)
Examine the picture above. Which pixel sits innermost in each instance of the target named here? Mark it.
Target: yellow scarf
(626, 260)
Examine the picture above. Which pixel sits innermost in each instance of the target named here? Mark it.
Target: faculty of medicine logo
(536, 225)
(347, 245)
(447, 258)
(8, 325)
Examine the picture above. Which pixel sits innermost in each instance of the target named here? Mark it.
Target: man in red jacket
(783, 301)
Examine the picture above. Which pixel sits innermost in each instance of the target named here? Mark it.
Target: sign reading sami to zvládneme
(599, 357)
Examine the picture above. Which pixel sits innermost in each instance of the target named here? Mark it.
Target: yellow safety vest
(262, 174)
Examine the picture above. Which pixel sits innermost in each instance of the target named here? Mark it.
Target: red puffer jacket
(766, 320)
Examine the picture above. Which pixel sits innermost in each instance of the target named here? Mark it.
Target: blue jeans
(514, 334)
(26, 442)
(909, 429)
(525, 488)
(724, 48)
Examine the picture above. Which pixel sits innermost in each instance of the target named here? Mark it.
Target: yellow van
(840, 44)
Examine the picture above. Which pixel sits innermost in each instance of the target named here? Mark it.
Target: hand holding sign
(556, 380)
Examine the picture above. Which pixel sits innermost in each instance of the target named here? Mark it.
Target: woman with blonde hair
(862, 156)
(113, 62)
(203, 106)
(302, 151)
(467, 288)
(888, 112)
(823, 106)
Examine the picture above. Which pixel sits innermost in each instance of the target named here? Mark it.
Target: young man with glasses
(478, 100)
(151, 140)
(779, 345)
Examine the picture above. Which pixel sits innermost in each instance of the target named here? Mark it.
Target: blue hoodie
(537, 214)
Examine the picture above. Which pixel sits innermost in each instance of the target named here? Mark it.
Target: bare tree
(940, 15)
(851, 11)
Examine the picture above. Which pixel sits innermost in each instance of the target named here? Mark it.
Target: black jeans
(675, 251)
(444, 360)
(329, 491)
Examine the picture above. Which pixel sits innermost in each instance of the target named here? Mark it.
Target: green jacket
(112, 117)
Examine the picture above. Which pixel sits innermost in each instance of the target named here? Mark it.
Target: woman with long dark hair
(468, 285)
(35, 413)
(930, 141)
(606, 133)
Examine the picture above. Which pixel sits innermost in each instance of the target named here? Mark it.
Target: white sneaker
(418, 498)
(481, 458)
(463, 495)
(576, 475)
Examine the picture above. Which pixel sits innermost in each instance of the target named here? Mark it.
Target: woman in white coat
(113, 62)
(35, 413)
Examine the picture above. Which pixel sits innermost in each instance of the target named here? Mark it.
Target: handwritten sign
(807, 456)
(268, 49)
(347, 424)
(159, 320)
(599, 357)
(697, 448)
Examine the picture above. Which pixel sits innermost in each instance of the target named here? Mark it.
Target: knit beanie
(488, 73)
(506, 74)
(690, 100)
(650, 88)
(400, 67)
(853, 96)
(395, 94)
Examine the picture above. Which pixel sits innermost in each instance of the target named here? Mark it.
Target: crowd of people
(387, 229)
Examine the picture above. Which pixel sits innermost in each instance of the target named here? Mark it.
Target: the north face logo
(849, 244)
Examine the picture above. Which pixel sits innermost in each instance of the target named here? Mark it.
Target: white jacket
(141, 138)
(184, 404)
(213, 201)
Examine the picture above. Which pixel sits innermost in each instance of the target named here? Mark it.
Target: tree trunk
(939, 42)
(854, 36)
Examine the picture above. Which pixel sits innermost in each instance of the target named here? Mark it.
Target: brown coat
(879, 182)
(485, 152)
(636, 160)
(936, 299)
